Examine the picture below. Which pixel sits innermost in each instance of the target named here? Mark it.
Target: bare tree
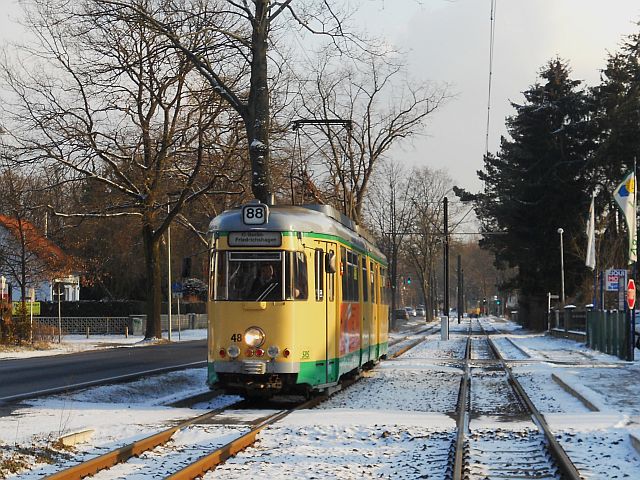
(482, 278)
(248, 32)
(114, 105)
(424, 245)
(384, 109)
(27, 257)
(390, 217)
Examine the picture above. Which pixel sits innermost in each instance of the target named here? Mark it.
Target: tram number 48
(254, 214)
(236, 337)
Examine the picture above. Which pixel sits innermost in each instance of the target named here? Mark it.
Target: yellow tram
(297, 298)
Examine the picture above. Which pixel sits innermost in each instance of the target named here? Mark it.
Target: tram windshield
(260, 276)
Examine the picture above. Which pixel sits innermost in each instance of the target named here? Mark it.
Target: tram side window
(385, 286)
(365, 286)
(344, 273)
(297, 283)
(349, 269)
(319, 274)
(219, 273)
(372, 277)
(330, 283)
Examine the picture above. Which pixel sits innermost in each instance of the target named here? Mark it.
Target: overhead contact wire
(492, 36)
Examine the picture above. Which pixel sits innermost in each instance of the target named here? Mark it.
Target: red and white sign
(631, 293)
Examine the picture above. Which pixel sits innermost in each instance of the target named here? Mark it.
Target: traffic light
(408, 280)
(497, 302)
(484, 300)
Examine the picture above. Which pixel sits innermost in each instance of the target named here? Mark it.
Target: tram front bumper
(255, 367)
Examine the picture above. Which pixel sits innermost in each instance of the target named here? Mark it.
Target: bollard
(126, 332)
(87, 332)
(444, 328)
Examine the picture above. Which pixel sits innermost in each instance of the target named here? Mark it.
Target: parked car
(401, 314)
(420, 312)
(410, 311)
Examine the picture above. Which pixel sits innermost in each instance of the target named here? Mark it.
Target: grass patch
(17, 459)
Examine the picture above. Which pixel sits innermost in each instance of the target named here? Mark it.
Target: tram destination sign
(255, 239)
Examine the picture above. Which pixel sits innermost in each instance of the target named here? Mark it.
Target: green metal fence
(610, 332)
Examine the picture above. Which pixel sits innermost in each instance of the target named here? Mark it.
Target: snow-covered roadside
(80, 343)
(117, 414)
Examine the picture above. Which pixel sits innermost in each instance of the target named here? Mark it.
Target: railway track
(417, 331)
(151, 449)
(525, 447)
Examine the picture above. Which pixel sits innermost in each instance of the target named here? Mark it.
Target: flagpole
(595, 287)
(590, 260)
(595, 257)
(635, 264)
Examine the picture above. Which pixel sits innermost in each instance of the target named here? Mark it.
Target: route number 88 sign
(255, 214)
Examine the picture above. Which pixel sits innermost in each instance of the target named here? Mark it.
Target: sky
(447, 41)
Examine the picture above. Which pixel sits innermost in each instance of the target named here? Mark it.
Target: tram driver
(266, 285)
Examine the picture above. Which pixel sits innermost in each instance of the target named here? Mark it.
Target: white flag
(591, 237)
(625, 195)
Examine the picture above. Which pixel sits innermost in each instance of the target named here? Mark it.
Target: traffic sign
(631, 293)
(612, 277)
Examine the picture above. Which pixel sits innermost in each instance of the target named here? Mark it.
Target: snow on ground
(80, 343)
(396, 422)
(118, 414)
(320, 450)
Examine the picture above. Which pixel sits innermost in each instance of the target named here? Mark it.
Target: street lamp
(169, 267)
(32, 298)
(561, 231)
(170, 197)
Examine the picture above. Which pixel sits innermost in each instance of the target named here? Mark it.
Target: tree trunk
(257, 117)
(151, 246)
(532, 312)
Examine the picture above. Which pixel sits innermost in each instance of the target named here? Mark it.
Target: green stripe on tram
(314, 372)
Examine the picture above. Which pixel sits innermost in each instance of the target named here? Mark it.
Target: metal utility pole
(459, 306)
(561, 231)
(446, 256)
(444, 321)
(169, 275)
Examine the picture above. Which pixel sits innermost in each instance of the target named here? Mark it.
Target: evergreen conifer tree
(534, 185)
(617, 116)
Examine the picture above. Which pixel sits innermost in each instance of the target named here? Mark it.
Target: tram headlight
(273, 351)
(233, 351)
(254, 337)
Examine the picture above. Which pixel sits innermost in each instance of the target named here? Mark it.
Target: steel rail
(518, 347)
(203, 464)
(418, 331)
(218, 456)
(122, 454)
(408, 347)
(462, 420)
(566, 466)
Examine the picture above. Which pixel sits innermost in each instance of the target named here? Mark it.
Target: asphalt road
(24, 378)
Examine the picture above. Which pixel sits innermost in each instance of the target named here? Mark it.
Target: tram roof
(300, 218)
